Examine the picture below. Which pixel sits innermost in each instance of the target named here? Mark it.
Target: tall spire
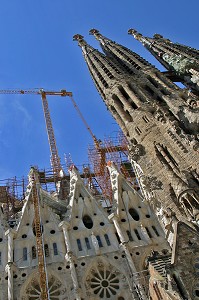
(129, 60)
(178, 59)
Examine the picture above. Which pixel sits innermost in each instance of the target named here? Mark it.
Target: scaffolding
(113, 149)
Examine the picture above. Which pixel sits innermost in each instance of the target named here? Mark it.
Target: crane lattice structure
(55, 160)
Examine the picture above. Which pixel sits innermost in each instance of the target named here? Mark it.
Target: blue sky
(37, 51)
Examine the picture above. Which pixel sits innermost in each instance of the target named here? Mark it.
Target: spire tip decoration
(93, 31)
(136, 34)
(78, 37)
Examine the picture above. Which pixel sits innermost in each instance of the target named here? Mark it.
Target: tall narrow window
(137, 234)
(107, 239)
(55, 250)
(148, 232)
(87, 243)
(79, 245)
(46, 250)
(99, 241)
(118, 238)
(129, 236)
(34, 253)
(0, 258)
(155, 230)
(25, 254)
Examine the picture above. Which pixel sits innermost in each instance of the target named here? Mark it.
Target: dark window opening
(34, 253)
(148, 232)
(145, 119)
(118, 238)
(129, 236)
(46, 250)
(134, 214)
(87, 243)
(79, 245)
(149, 90)
(137, 129)
(137, 234)
(25, 254)
(99, 241)
(107, 240)
(55, 250)
(88, 222)
(155, 230)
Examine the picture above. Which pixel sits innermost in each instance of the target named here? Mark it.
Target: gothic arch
(104, 281)
(31, 290)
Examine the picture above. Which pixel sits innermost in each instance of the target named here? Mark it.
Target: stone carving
(151, 183)
(136, 151)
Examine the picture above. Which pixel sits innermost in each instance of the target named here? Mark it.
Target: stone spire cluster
(159, 119)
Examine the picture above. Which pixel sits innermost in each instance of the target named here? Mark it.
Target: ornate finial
(78, 37)
(93, 31)
(134, 33)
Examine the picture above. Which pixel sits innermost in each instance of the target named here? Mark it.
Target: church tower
(160, 121)
(181, 61)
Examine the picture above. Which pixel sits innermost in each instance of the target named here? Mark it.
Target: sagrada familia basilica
(145, 245)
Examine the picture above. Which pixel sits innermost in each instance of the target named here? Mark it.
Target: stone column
(9, 266)
(138, 286)
(70, 257)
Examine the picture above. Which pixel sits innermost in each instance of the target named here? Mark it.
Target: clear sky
(37, 51)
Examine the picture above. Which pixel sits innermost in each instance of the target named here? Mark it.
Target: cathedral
(145, 245)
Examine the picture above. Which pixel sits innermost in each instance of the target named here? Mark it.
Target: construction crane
(39, 239)
(55, 160)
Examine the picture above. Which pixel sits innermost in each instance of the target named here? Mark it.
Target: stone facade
(90, 252)
(160, 121)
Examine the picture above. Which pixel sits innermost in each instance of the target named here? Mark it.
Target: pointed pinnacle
(95, 32)
(134, 33)
(102, 39)
(80, 39)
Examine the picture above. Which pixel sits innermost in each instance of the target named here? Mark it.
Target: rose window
(104, 283)
(56, 290)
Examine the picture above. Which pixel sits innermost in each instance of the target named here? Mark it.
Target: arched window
(25, 253)
(34, 253)
(99, 241)
(129, 236)
(46, 250)
(55, 250)
(87, 243)
(155, 230)
(107, 239)
(137, 234)
(79, 245)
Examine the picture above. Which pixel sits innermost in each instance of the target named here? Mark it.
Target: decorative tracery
(104, 281)
(55, 287)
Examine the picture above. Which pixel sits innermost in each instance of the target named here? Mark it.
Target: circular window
(123, 220)
(105, 284)
(75, 228)
(23, 274)
(102, 223)
(52, 231)
(148, 216)
(1, 239)
(56, 290)
(24, 236)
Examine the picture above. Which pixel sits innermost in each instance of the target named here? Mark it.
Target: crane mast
(39, 239)
(55, 160)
